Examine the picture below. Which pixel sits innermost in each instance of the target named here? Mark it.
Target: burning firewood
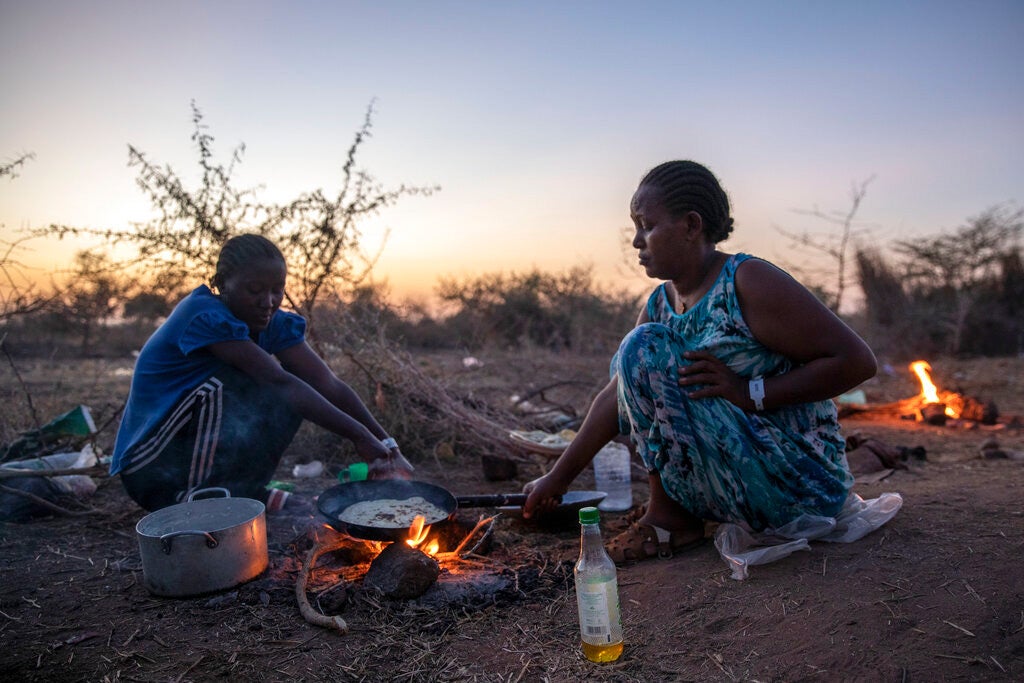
(932, 405)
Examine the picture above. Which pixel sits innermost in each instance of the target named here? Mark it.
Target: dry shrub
(422, 411)
(434, 405)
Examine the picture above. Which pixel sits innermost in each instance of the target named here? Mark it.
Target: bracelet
(389, 443)
(757, 392)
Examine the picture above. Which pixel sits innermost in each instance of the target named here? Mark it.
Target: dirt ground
(936, 594)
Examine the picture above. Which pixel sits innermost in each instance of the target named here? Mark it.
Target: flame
(418, 532)
(929, 392)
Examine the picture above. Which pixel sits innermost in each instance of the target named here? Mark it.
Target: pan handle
(495, 500)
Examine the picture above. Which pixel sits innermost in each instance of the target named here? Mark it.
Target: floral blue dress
(718, 461)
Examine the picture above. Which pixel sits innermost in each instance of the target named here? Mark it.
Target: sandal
(628, 519)
(643, 541)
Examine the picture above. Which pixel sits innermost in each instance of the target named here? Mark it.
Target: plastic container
(611, 475)
(308, 470)
(597, 593)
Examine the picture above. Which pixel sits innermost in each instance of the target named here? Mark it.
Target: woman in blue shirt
(220, 390)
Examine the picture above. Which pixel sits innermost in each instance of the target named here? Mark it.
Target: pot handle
(165, 540)
(218, 489)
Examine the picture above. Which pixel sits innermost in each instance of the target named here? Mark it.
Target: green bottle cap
(590, 515)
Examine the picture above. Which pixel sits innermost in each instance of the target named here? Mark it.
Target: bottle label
(595, 617)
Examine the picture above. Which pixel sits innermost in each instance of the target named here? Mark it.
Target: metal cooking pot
(336, 499)
(203, 546)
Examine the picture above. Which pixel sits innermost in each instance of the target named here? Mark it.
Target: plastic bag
(14, 507)
(56, 434)
(741, 548)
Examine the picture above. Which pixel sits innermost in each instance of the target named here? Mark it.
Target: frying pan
(336, 499)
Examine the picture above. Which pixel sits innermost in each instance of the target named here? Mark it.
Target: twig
(21, 381)
(53, 507)
(465, 540)
(190, 667)
(421, 400)
(12, 472)
(307, 611)
(483, 537)
(959, 628)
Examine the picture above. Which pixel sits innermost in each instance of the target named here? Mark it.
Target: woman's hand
(543, 496)
(715, 376)
(392, 466)
(384, 463)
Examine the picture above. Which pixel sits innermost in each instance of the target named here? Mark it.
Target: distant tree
(893, 324)
(153, 295)
(835, 245)
(958, 268)
(553, 310)
(19, 292)
(93, 295)
(146, 306)
(318, 232)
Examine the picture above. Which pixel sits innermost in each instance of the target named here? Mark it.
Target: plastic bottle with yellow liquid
(597, 593)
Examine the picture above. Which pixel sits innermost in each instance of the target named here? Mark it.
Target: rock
(497, 468)
(401, 572)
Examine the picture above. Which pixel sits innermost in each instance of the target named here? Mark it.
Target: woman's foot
(659, 529)
(642, 541)
(686, 528)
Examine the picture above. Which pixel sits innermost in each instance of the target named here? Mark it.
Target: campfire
(400, 570)
(935, 406)
(932, 405)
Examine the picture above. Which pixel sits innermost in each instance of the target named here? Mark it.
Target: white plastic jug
(611, 475)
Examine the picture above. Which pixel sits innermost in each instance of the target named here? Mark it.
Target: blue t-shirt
(175, 360)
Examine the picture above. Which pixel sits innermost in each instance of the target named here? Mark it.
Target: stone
(401, 572)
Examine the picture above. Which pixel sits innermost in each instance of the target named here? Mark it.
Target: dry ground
(937, 594)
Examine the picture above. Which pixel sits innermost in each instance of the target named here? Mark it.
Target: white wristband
(757, 392)
(389, 443)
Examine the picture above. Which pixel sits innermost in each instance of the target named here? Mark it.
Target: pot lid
(208, 514)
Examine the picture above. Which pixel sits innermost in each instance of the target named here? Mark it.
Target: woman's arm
(301, 396)
(829, 357)
(600, 426)
(304, 363)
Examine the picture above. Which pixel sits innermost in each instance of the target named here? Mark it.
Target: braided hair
(688, 186)
(241, 251)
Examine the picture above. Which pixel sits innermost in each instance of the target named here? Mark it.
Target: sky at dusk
(537, 119)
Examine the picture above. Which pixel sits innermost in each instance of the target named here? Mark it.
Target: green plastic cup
(357, 471)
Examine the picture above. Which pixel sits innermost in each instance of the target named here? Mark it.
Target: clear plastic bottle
(611, 475)
(597, 593)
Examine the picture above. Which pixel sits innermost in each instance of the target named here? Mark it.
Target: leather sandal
(629, 519)
(643, 541)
